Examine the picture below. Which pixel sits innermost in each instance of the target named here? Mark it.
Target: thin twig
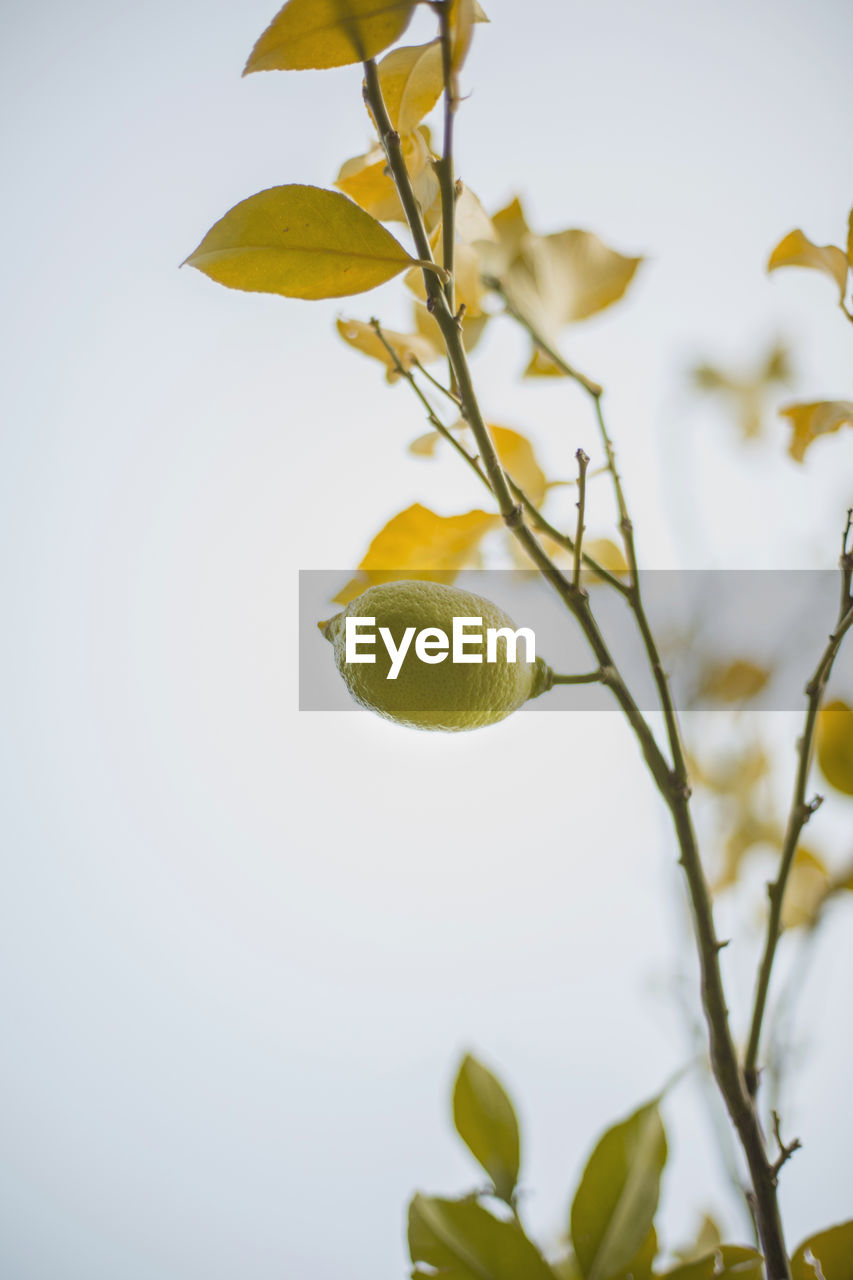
(497, 286)
(439, 386)
(595, 391)
(786, 1149)
(846, 563)
(432, 416)
(800, 812)
(583, 463)
(588, 677)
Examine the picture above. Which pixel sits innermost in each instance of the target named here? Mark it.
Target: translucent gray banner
(727, 639)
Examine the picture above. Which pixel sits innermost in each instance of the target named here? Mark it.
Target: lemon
(432, 692)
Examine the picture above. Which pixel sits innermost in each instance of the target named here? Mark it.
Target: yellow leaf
(578, 275)
(850, 239)
(466, 276)
(806, 891)
(511, 229)
(818, 418)
(540, 366)
(834, 742)
(424, 446)
(408, 346)
(747, 393)
(605, 553)
(302, 242)
(736, 681)
(316, 34)
(471, 220)
(557, 279)
(735, 776)
(412, 83)
(749, 832)
(796, 250)
(462, 19)
(472, 327)
(518, 459)
(366, 179)
(419, 543)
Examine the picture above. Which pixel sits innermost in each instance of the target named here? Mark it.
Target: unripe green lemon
(446, 695)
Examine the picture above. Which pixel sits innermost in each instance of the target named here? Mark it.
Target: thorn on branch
(786, 1150)
(721, 944)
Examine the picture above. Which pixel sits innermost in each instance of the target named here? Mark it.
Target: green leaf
(465, 1242)
(707, 1239)
(316, 34)
(640, 1266)
(832, 1250)
(614, 1206)
(486, 1123)
(728, 1262)
(302, 242)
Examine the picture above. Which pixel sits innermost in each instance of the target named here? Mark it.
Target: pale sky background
(243, 947)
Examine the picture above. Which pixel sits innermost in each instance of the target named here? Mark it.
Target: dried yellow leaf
(419, 543)
(317, 34)
(736, 681)
(748, 833)
(302, 242)
(818, 418)
(471, 220)
(519, 460)
(407, 346)
(366, 180)
(606, 553)
(472, 327)
(796, 250)
(834, 742)
(412, 83)
(466, 274)
(747, 393)
(556, 279)
(462, 19)
(806, 891)
(424, 446)
(578, 275)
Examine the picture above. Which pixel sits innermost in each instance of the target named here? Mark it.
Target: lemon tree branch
(672, 784)
(799, 814)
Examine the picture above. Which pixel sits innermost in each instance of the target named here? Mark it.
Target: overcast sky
(242, 946)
